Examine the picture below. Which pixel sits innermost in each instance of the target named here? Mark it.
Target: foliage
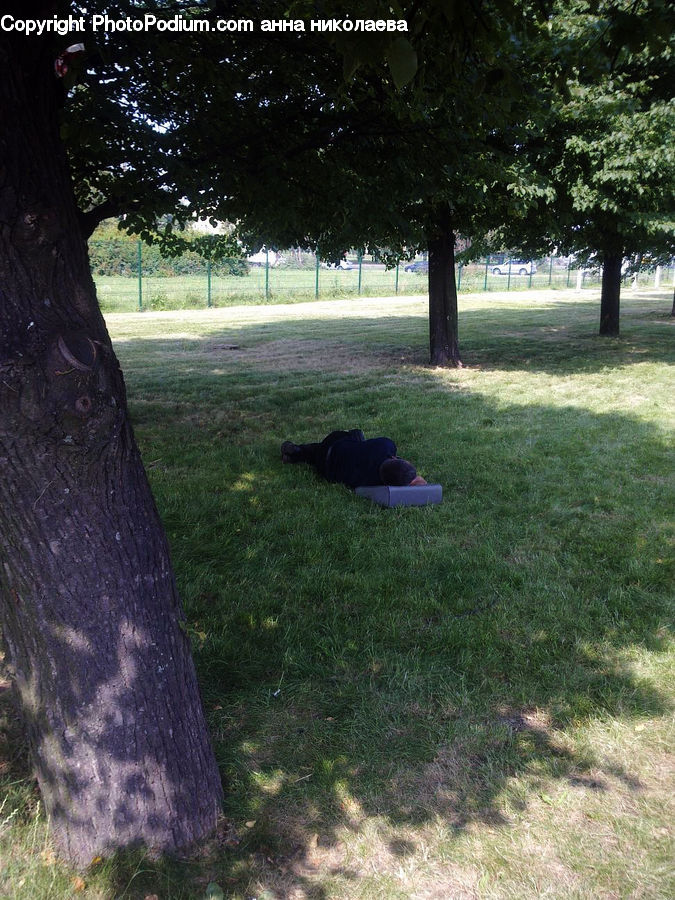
(534, 133)
(606, 147)
(275, 139)
(396, 164)
(535, 127)
(178, 127)
(117, 254)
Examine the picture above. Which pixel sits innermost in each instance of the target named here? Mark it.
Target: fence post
(396, 280)
(139, 253)
(550, 271)
(487, 266)
(267, 274)
(459, 275)
(208, 283)
(569, 269)
(358, 290)
(508, 280)
(316, 285)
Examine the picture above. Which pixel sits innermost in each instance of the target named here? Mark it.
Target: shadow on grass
(372, 673)
(369, 673)
(559, 337)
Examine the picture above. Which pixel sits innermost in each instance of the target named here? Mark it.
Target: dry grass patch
(289, 355)
(370, 860)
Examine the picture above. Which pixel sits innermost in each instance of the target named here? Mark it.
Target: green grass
(120, 293)
(468, 700)
(298, 285)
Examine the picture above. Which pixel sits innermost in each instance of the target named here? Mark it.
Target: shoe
(289, 452)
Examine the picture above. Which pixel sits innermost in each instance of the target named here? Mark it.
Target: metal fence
(130, 276)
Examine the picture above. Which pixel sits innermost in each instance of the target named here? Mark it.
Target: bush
(118, 255)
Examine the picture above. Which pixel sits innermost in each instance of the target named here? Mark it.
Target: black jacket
(356, 463)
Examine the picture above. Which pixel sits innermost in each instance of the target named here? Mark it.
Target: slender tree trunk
(610, 294)
(443, 318)
(91, 620)
(672, 311)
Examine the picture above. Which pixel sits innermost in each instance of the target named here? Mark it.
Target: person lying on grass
(347, 457)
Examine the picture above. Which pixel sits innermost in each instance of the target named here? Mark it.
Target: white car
(263, 258)
(514, 267)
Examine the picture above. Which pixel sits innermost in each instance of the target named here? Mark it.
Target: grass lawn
(472, 700)
(119, 293)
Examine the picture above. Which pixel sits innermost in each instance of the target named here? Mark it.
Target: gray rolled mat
(413, 495)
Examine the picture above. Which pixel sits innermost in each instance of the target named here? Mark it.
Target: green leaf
(402, 60)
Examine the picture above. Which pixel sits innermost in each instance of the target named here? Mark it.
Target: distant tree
(605, 150)
(397, 168)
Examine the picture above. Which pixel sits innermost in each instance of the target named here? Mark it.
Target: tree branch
(93, 217)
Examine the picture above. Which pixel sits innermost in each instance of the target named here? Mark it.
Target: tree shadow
(342, 701)
(559, 337)
(562, 337)
(339, 701)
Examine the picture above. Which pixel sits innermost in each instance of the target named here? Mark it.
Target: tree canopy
(604, 151)
(616, 168)
(376, 141)
(533, 125)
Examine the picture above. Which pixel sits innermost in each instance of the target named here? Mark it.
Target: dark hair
(397, 471)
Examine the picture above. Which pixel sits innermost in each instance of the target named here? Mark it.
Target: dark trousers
(317, 454)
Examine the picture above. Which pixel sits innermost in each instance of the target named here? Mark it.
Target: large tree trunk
(610, 294)
(443, 318)
(92, 623)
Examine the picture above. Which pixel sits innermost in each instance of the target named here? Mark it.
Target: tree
(91, 619)
(397, 168)
(606, 146)
(379, 145)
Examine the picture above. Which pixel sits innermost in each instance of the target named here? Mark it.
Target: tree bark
(91, 620)
(443, 317)
(610, 294)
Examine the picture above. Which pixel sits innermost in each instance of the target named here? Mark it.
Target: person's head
(398, 472)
